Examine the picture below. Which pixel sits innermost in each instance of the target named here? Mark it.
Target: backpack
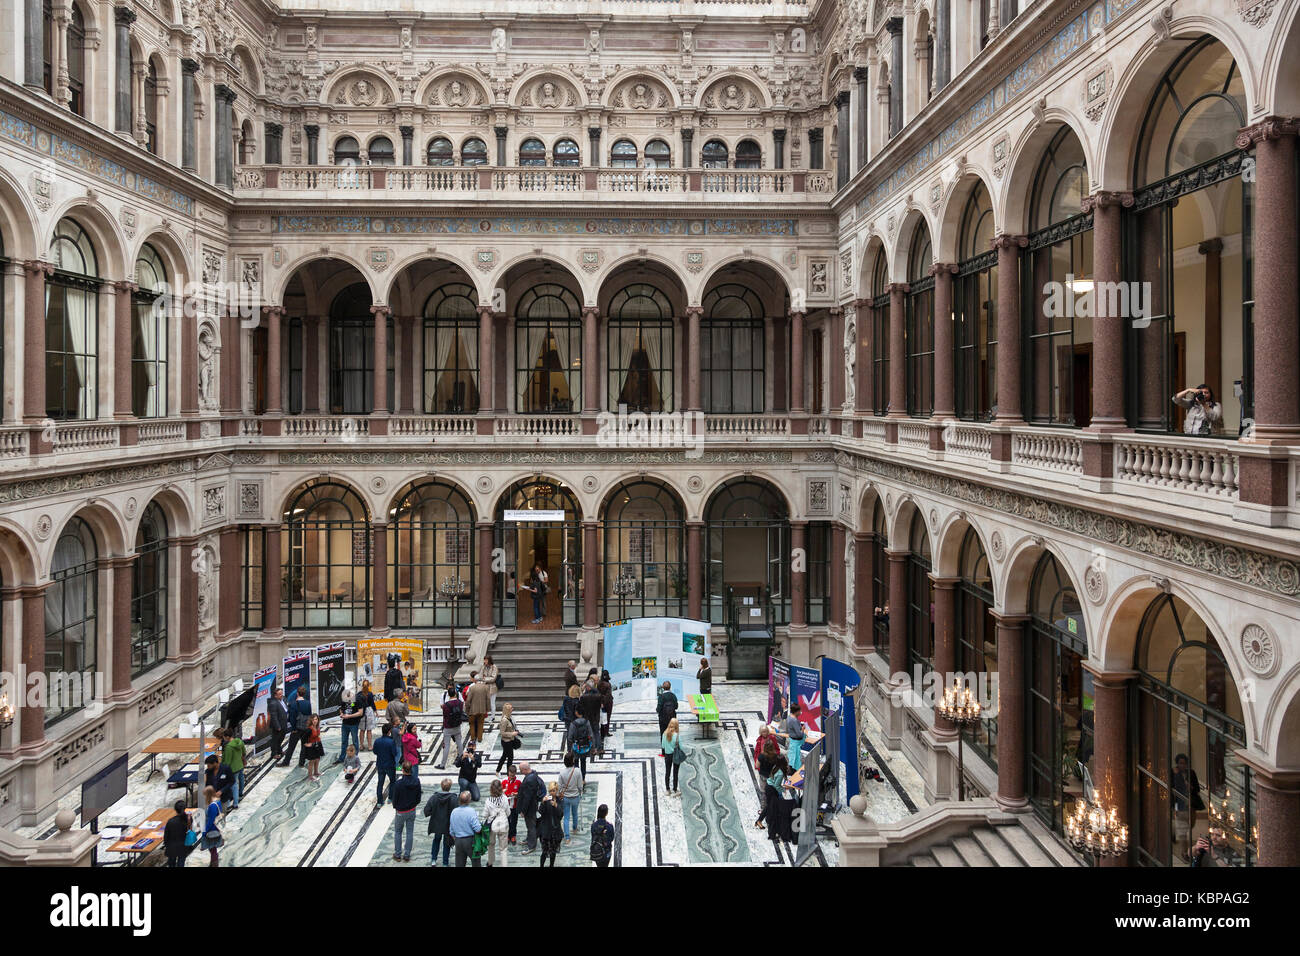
(303, 720)
(452, 713)
(667, 707)
(602, 841)
(582, 739)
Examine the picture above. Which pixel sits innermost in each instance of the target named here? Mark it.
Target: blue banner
(263, 685)
(839, 681)
(297, 671)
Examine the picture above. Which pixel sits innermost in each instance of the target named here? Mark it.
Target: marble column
(799, 578)
(688, 159)
(1277, 800)
(31, 717)
(942, 44)
(189, 93)
(945, 642)
(379, 577)
(224, 177)
(593, 147)
(271, 586)
(189, 357)
(187, 581)
(944, 357)
(274, 316)
(501, 133)
(835, 375)
(121, 570)
(485, 347)
(694, 397)
(1107, 330)
(274, 143)
(695, 570)
(379, 401)
(897, 613)
(313, 143)
(897, 351)
(861, 76)
(797, 406)
(896, 74)
(408, 144)
(34, 45)
(1110, 759)
(123, 17)
(837, 568)
(123, 309)
(590, 363)
(36, 272)
(843, 139)
(778, 149)
(232, 365)
(1011, 712)
(230, 587)
(865, 319)
(591, 588)
(1009, 360)
(863, 568)
(486, 579)
(815, 158)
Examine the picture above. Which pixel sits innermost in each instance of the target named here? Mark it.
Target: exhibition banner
(329, 679)
(297, 671)
(263, 687)
(789, 684)
(373, 657)
(642, 653)
(840, 684)
(778, 689)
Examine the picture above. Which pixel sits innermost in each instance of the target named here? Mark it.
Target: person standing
(232, 755)
(666, 707)
(531, 792)
(212, 838)
(765, 734)
(369, 715)
(794, 735)
(174, 834)
(581, 740)
(312, 748)
(406, 797)
(467, 767)
(537, 585)
(767, 761)
(1204, 414)
(551, 826)
(490, 675)
(394, 683)
(606, 688)
(300, 721)
(438, 810)
(411, 749)
(464, 825)
(602, 837)
(510, 787)
(509, 735)
(399, 712)
(496, 818)
(571, 781)
(350, 715)
(571, 676)
(670, 744)
(589, 705)
(278, 713)
(705, 676)
(385, 763)
(569, 707)
(478, 701)
(453, 715)
(218, 776)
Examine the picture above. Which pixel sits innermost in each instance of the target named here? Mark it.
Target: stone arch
(402, 488)
(417, 289)
(285, 275)
(1280, 73)
(875, 247)
(948, 235)
(867, 502)
(899, 524)
(425, 93)
(173, 255)
(175, 506)
(641, 74)
(104, 231)
(913, 218)
(606, 284)
(18, 221)
(523, 94)
(787, 495)
(107, 524)
(249, 70)
(301, 484)
(605, 492)
(1280, 727)
(1121, 618)
(18, 564)
(721, 80)
(948, 543)
(1017, 577)
(344, 91)
(1011, 207)
(518, 266)
(706, 280)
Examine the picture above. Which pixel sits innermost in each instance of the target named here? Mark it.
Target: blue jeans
(445, 841)
(352, 730)
(570, 807)
(236, 788)
(539, 605)
(471, 786)
(381, 776)
(403, 822)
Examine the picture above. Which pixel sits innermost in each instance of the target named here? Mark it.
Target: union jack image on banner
(806, 688)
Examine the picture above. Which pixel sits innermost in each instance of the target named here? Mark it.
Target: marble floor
(285, 819)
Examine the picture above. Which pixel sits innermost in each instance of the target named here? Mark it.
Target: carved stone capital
(1269, 128)
(1104, 198)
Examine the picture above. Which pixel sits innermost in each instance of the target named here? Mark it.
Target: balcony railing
(85, 437)
(1179, 465)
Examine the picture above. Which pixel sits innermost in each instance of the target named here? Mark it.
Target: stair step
(947, 856)
(1025, 846)
(1050, 843)
(995, 847)
(923, 859)
(971, 852)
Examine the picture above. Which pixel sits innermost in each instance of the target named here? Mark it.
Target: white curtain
(653, 342)
(535, 335)
(562, 333)
(627, 335)
(469, 344)
(75, 310)
(146, 318)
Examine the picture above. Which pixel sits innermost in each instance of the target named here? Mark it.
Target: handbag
(679, 756)
(482, 840)
(500, 682)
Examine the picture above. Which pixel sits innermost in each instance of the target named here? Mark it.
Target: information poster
(297, 672)
(792, 687)
(329, 679)
(263, 687)
(778, 690)
(642, 653)
(373, 655)
(839, 684)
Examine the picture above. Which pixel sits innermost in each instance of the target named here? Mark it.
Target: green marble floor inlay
(260, 838)
(714, 832)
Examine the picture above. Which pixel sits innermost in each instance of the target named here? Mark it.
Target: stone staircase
(1025, 842)
(532, 664)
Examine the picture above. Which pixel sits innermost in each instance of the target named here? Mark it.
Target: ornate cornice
(1105, 198)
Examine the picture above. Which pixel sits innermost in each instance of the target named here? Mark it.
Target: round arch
(176, 509)
(1011, 208)
(866, 269)
(286, 274)
(947, 545)
(18, 556)
(630, 78)
(526, 80)
(948, 236)
(425, 89)
(104, 232)
(406, 280)
(913, 219)
(18, 221)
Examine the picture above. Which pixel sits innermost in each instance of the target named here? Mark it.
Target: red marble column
(862, 607)
(695, 570)
(273, 315)
(945, 403)
(799, 578)
(123, 307)
(485, 320)
(590, 575)
(862, 392)
(897, 346)
(406, 375)
(380, 402)
(1008, 248)
(34, 341)
(1107, 330)
(945, 641)
(836, 567)
(590, 362)
(379, 576)
(897, 612)
(187, 580)
(271, 586)
(797, 404)
(693, 389)
(1011, 712)
(835, 338)
(1277, 263)
(230, 585)
(311, 364)
(1277, 798)
(486, 579)
(31, 717)
(1110, 758)
(120, 568)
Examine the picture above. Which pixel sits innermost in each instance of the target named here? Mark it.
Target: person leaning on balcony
(1204, 414)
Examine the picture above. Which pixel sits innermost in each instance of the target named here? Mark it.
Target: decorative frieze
(83, 744)
(87, 480)
(520, 226)
(155, 699)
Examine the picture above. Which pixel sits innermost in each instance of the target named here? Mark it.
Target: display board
(372, 665)
(790, 684)
(840, 684)
(297, 671)
(642, 653)
(263, 687)
(329, 678)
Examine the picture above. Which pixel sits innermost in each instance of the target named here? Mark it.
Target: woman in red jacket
(411, 750)
(764, 735)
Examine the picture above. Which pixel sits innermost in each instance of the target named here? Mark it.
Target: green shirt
(233, 754)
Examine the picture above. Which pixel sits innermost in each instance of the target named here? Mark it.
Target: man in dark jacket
(299, 715)
(394, 683)
(406, 797)
(219, 777)
(174, 835)
(385, 763)
(570, 676)
(531, 792)
(278, 713)
(667, 706)
(589, 706)
(705, 676)
(438, 810)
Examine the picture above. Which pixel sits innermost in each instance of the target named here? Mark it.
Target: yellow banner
(372, 665)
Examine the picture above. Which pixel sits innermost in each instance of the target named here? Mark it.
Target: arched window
(72, 326)
(532, 152)
(748, 521)
(473, 152)
(151, 108)
(352, 353)
(431, 542)
(451, 360)
(748, 155)
(149, 336)
(732, 351)
(548, 350)
(879, 581)
(977, 642)
(1059, 694)
(1057, 315)
(645, 567)
(1192, 196)
(347, 152)
(326, 568)
(555, 546)
(380, 152)
(920, 325)
(975, 304)
(77, 62)
(880, 335)
(566, 153)
(623, 154)
(72, 621)
(658, 155)
(440, 152)
(714, 155)
(1190, 729)
(640, 340)
(149, 592)
(920, 597)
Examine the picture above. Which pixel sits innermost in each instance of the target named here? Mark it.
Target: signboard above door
(538, 515)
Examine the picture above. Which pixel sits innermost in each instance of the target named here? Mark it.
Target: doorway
(538, 524)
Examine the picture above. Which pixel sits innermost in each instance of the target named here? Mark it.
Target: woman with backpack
(570, 787)
(602, 837)
(411, 749)
(674, 754)
(581, 739)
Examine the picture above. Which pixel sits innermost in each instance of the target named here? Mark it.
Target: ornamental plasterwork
(819, 496)
(641, 93)
(250, 499)
(379, 258)
(1001, 151)
(366, 90)
(515, 458)
(998, 546)
(590, 260)
(212, 262)
(129, 219)
(1256, 12)
(456, 90)
(549, 93)
(731, 93)
(694, 261)
(1259, 650)
(27, 490)
(818, 277)
(485, 259)
(1096, 92)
